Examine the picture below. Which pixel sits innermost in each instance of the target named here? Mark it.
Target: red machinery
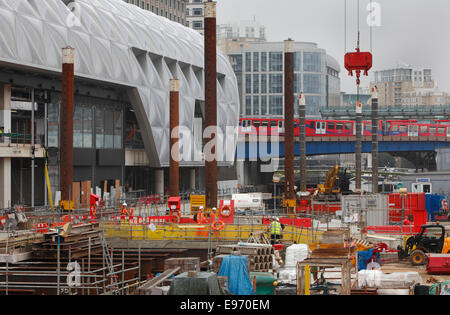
(358, 61)
(175, 208)
(438, 264)
(93, 202)
(226, 211)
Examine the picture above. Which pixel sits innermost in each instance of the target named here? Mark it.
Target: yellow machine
(66, 205)
(327, 191)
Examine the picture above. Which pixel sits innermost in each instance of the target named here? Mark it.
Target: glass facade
(297, 61)
(53, 125)
(264, 80)
(312, 83)
(264, 105)
(276, 61)
(263, 62)
(248, 83)
(276, 83)
(263, 83)
(276, 105)
(82, 127)
(256, 105)
(248, 105)
(248, 62)
(312, 62)
(255, 83)
(108, 128)
(256, 62)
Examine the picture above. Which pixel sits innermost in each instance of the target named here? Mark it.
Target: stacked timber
(185, 263)
(73, 243)
(259, 257)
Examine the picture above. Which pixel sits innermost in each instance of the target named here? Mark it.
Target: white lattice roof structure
(119, 43)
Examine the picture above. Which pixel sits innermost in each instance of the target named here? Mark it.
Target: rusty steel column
(67, 108)
(174, 172)
(289, 193)
(210, 103)
(302, 135)
(375, 141)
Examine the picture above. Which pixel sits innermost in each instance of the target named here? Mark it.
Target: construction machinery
(430, 239)
(328, 191)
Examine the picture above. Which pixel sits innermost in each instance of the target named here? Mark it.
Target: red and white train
(339, 128)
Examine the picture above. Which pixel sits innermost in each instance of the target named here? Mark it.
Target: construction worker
(199, 211)
(124, 211)
(2, 131)
(275, 230)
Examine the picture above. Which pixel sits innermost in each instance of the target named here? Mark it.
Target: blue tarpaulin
(364, 257)
(235, 268)
(433, 205)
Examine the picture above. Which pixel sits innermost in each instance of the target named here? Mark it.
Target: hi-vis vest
(275, 228)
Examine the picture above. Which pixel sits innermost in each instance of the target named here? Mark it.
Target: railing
(388, 111)
(15, 138)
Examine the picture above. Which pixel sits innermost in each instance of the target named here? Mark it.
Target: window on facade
(263, 62)
(276, 61)
(248, 62)
(108, 128)
(53, 125)
(263, 105)
(248, 83)
(256, 105)
(312, 62)
(248, 105)
(297, 83)
(197, 24)
(197, 12)
(256, 62)
(313, 104)
(276, 83)
(82, 127)
(263, 83)
(297, 61)
(276, 105)
(312, 83)
(236, 62)
(255, 83)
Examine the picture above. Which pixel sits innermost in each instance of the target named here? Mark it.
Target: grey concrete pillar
(192, 179)
(159, 182)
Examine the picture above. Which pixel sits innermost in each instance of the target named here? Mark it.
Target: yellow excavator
(327, 191)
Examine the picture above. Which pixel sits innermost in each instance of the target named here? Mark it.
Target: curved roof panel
(120, 43)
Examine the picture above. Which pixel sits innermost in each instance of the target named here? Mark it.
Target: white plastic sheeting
(294, 254)
(120, 43)
(395, 280)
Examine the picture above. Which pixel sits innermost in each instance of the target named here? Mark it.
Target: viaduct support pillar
(289, 124)
(67, 108)
(210, 149)
(174, 170)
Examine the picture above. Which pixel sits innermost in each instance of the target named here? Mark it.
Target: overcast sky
(414, 32)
